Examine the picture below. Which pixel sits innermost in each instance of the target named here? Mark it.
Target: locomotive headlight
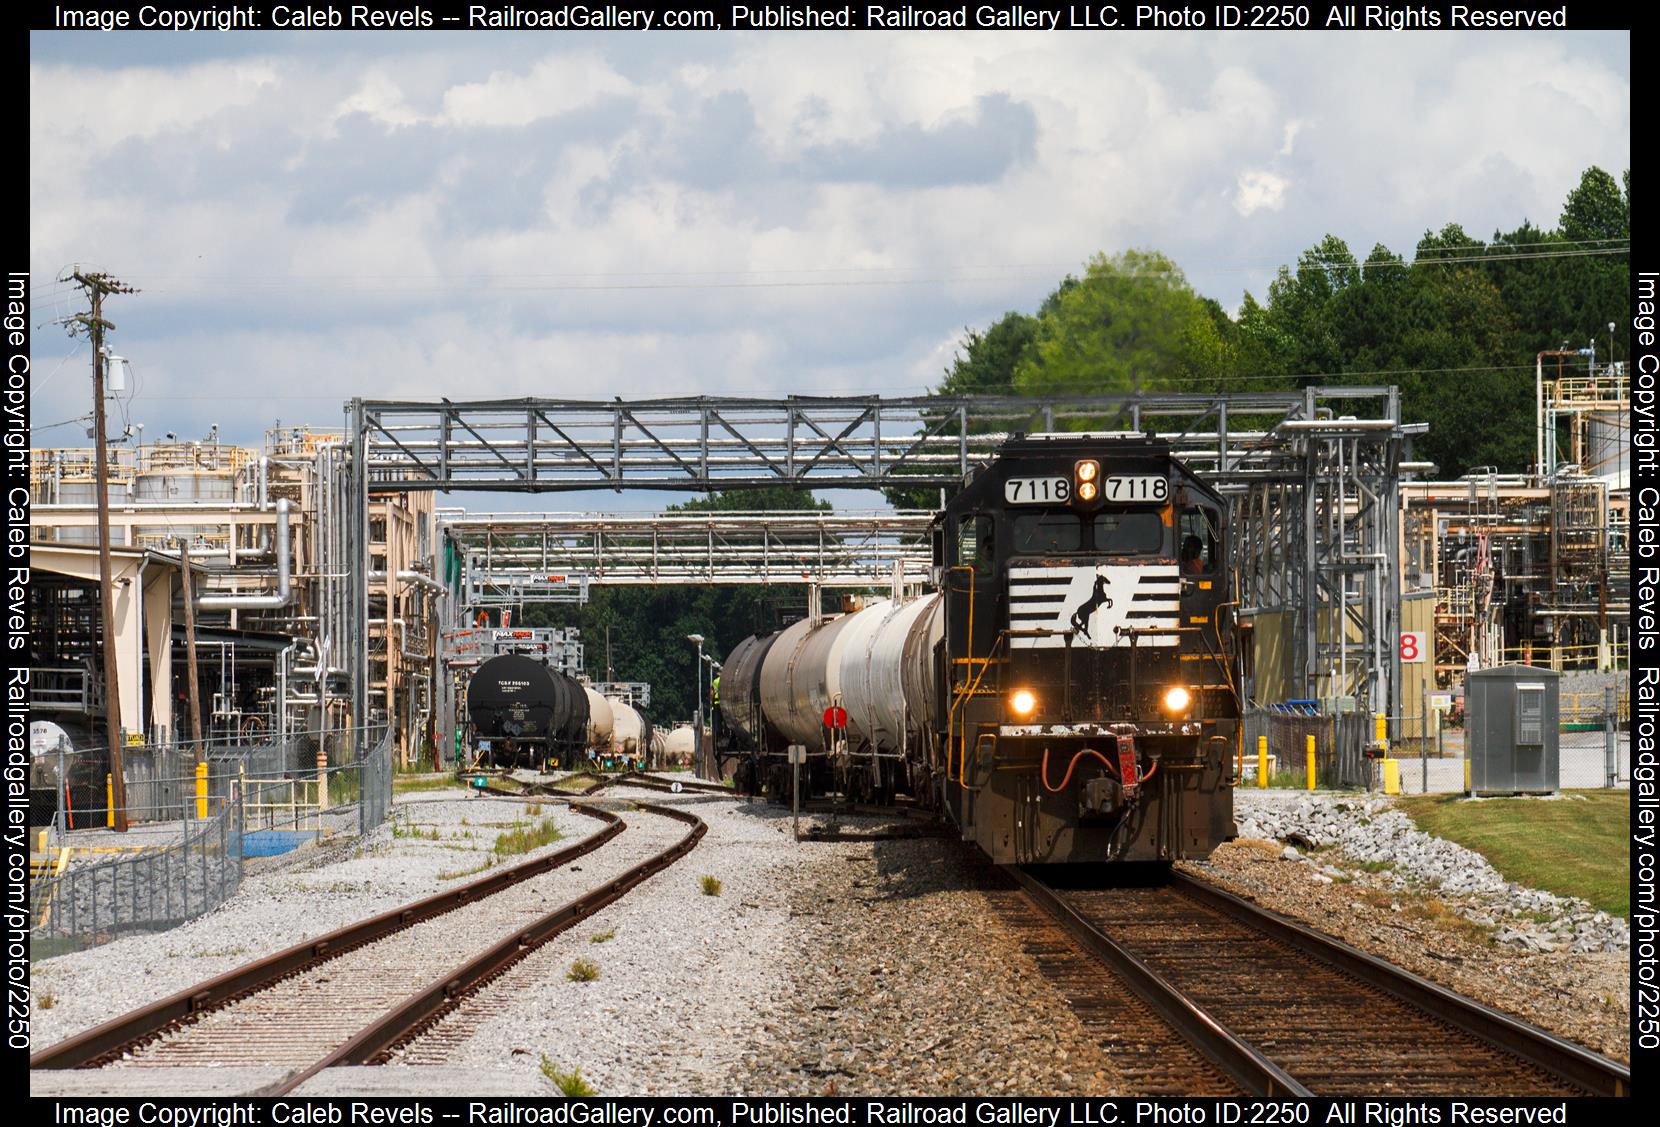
(1086, 479)
(1023, 702)
(1176, 700)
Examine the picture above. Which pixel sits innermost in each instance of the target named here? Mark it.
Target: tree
(1132, 322)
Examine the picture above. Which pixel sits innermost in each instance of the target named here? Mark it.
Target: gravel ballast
(1460, 932)
(283, 901)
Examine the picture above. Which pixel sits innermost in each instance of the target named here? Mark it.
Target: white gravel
(679, 980)
(282, 902)
(1368, 830)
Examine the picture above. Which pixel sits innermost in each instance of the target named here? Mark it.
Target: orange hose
(1070, 767)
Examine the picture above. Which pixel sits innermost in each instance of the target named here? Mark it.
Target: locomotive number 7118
(1036, 490)
(1136, 488)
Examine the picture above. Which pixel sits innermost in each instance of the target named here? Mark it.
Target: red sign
(835, 717)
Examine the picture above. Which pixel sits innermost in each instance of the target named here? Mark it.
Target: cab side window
(977, 543)
(1197, 543)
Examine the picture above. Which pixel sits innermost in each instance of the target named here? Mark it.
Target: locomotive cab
(1090, 709)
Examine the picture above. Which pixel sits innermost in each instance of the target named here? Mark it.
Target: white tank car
(626, 727)
(801, 674)
(887, 682)
(659, 748)
(600, 721)
(681, 744)
(878, 662)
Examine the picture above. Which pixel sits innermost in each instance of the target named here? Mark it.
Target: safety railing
(93, 888)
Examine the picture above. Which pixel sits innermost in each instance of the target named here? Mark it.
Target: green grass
(583, 970)
(603, 936)
(711, 886)
(525, 836)
(408, 784)
(1573, 846)
(569, 1083)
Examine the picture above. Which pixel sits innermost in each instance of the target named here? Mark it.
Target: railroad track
(1284, 1010)
(345, 998)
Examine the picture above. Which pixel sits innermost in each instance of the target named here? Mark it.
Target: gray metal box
(1512, 734)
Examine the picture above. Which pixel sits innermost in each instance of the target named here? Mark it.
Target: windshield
(1048, 532)
(1138, 533)
(1135, 533)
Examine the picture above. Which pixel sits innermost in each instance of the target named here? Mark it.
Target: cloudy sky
(315, 215)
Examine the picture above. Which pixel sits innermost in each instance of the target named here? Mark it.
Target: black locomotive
(1069, 694)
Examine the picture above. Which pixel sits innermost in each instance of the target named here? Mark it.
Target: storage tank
(681, 744)
(78, 490)
(660, 748)
(740, 686)
(600, 721)
(1608, 445)
(626, 728)
(185, 475)
(880, 705)
(800, 677)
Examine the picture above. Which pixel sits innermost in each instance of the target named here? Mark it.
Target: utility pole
(195, 697)
(96, 286)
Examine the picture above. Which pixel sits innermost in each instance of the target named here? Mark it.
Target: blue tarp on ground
(269, 843)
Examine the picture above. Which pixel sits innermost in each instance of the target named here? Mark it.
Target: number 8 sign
(1412, 647)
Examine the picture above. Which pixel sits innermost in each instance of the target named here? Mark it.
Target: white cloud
(438, 252)
(1258, 190)
(556, 85)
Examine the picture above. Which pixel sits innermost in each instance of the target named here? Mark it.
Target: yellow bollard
(201, 790)
(1310, 762)
(109, 800)
(1380, 724)
(1391, 776)
(1262, 761)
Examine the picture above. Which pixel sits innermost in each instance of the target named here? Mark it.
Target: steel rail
(1562, 1059)
(1242, 1062)
(107, 1041)
(428, 1005)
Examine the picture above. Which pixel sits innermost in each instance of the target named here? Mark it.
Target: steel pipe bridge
(1312, 477)
(512, 558)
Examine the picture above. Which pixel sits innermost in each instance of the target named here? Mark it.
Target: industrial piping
(283, 593)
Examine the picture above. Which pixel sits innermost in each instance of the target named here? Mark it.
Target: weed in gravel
(583, 970)
(569, 1083)
(405, 784)
(456, 874)
(45, 1001)
(603, 936)
(525, 836)
(1373, 866)
(711, 886)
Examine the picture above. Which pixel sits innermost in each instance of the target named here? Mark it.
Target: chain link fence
(192, 829)
(153, 890)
